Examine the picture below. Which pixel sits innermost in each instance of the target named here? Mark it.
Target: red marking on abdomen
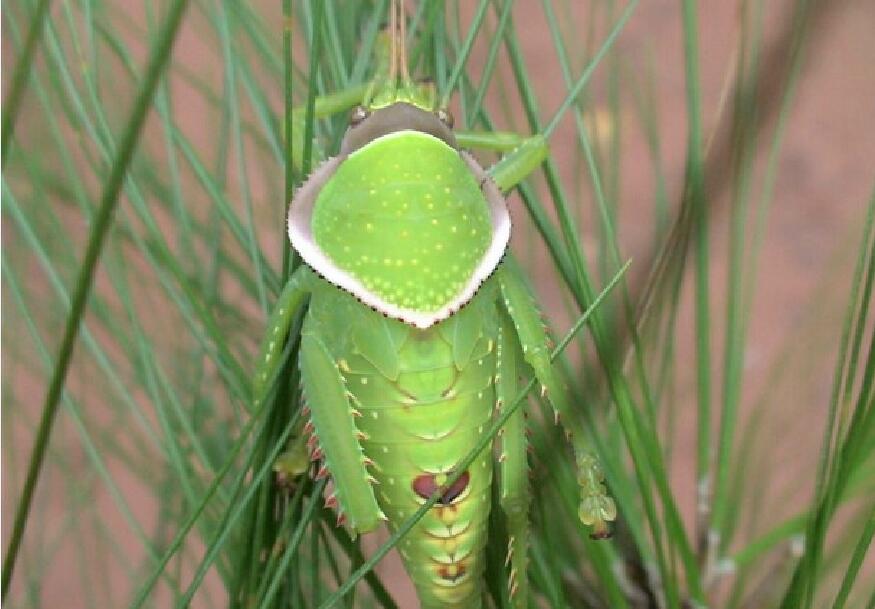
(425, 486)
(452, 572)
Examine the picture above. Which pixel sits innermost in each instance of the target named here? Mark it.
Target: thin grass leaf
(160, 55)
(20, 76)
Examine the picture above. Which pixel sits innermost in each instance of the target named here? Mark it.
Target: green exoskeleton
(416, 333)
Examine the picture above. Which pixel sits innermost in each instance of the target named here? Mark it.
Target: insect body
(415, 336)
(420, 399)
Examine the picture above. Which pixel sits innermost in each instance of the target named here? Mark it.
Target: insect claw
(331, 502)
(600, 531)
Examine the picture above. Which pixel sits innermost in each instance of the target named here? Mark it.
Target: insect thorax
(403, 224)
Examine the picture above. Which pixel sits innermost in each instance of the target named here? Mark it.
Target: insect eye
(358, 114)
(446, 117)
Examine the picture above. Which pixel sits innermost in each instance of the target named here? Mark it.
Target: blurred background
(729, 156)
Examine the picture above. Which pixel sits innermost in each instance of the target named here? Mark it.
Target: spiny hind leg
(514, 492)
(332, 421)
(596, 507)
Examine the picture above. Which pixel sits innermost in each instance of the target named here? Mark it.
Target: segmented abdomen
(417, 428)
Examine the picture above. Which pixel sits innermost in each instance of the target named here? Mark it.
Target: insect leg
(596, 506)
(294, 462)
(289, 302)
(326, 105)
(499, 141)
(523, 154)
(331, 415)
(514, 489)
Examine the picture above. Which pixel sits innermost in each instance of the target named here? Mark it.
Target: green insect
(417, 333)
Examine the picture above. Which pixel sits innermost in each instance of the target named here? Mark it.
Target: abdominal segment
(417, 428)
(422, 400)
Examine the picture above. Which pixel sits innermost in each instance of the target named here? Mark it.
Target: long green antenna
(393, 41)
(399, 35)
(392, 82)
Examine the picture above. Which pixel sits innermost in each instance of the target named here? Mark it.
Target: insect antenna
(402, 41)
(393, 53)
(392, 82)
(398, 53)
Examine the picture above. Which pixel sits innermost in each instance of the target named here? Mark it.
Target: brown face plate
(397, 117)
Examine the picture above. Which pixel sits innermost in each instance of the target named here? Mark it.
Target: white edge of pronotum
(302, 241)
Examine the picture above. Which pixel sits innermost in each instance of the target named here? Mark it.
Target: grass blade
(20, 77)
(109, 199)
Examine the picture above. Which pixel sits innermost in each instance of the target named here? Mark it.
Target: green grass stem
(100, 228)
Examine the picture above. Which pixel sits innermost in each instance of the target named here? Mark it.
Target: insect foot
(597, 508)
(291, 465)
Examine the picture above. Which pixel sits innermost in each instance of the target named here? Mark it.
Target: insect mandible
(417, 332)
